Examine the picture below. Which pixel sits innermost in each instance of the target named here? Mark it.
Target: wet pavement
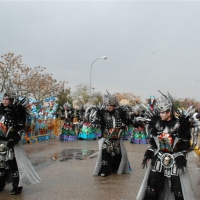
(66, 168)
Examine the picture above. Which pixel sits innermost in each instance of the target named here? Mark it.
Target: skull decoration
(2, 147)
(167, 160)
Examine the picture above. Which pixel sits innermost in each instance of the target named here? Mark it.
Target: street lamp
(103, 57)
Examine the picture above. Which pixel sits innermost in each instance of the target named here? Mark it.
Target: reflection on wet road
(66, 170)
(66, 154)
(78, 154)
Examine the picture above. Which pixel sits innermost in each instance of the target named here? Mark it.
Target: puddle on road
(78, 154)
(66, 154)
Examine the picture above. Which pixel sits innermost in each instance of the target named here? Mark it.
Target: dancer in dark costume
(112, 119)
(138, 136)
(69, 115)
(170, 133)
(14, 164)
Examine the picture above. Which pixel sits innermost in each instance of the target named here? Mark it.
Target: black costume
(169, 145)
(112, 123)
(12, 121)
(67, 113)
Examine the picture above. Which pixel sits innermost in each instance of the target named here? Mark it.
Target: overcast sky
(151, 45)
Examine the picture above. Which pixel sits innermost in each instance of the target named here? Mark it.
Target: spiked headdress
(137, 108)
(110, 100)
(67, 104)
(166, 103)
(11, 93)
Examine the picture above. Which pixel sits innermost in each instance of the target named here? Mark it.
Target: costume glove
(148, 155)
(181, 162)
(10, 143)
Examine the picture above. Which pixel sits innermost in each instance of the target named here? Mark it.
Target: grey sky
(150, 45)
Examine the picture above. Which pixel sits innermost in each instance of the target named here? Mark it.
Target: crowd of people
(77, 124)
(160, 124)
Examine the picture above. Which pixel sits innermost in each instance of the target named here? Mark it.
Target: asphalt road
(66, 171)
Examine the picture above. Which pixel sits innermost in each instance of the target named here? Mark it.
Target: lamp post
(103, 57)
(93, 91)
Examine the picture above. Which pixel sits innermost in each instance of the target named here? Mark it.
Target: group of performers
(77, 124)
(169, 133)
(163, 126)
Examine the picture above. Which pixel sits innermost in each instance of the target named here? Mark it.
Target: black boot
(15, 178)
(178, 195)
(105, 169)
(150, 194)
(2, 180)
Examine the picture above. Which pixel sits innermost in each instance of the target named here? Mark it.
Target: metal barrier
(42, 129)
(197, 148)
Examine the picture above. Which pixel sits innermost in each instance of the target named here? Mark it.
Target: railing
(197, 148)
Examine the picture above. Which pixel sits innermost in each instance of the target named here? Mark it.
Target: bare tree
(131, 98)
(186, 102)
(9, 68)
(40, 85)
(32, 81)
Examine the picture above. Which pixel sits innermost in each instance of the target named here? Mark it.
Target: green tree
(82, 94)
(63, 97)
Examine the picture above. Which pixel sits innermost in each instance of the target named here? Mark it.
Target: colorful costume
(68, 129)
(87, 131)
(138, 136)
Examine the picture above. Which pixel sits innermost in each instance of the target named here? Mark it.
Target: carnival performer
(14, 164)
(77, 120)
(88, 131)
(170, 133)
(68, 128)
(138, 136)
(151, 102)
(81, 113)
(126, 131)
(112, 119)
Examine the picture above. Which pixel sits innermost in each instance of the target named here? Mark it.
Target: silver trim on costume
(166, 163)
(5, 153)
